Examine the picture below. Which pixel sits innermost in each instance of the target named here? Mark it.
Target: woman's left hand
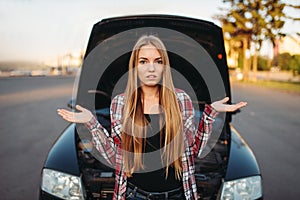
(221, 105)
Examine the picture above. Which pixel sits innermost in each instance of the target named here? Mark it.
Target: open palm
(83, 116)
(221, 105)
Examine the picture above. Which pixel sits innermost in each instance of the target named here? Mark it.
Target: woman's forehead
(149, 51)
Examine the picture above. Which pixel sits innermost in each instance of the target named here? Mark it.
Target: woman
(152, 118)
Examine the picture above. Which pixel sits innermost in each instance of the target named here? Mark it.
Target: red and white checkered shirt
(109, 145)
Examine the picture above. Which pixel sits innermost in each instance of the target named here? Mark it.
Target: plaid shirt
(109, 145)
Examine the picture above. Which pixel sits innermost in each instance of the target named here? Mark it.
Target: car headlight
(246, 188)
(62, 185)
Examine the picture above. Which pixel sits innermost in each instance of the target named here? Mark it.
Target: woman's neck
(150, 92)
(150, 99)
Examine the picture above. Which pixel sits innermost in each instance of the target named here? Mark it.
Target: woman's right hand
(83, 116)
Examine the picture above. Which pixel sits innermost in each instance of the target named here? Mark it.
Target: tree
(288, 62)
(295, 64)
(253, 21)
(262, 63)
(236, 27)
(275, 19)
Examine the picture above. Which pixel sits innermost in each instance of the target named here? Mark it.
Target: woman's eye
(142, 62)
(159, 62)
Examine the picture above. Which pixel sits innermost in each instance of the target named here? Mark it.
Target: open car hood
(195, 47)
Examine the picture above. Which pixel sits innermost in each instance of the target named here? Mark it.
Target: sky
(43, 30)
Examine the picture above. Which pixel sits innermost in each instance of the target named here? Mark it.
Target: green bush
(262, 63)
(294, 64)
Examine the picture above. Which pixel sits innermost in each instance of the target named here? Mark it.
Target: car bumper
(46, 196)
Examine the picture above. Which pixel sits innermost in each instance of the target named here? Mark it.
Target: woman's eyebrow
(145, 58)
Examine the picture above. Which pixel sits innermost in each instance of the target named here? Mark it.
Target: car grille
(98, 184)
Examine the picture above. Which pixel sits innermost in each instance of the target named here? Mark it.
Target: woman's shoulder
(185, 103)
(182, 95)
(118, 99)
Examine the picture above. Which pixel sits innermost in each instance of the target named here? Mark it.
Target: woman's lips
(151, 76)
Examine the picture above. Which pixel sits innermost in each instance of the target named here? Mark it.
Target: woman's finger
(238, 106)
(65, 114)
(241, 104)
(225, 100)
(71, 117)
(80, 108)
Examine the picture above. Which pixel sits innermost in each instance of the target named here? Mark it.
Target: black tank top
(154, 180)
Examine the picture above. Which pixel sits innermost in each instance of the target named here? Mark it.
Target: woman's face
(150, 66)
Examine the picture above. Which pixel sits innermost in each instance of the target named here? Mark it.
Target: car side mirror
(71, 104)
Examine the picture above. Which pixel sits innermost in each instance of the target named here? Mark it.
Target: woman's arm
(204, 129)
(197, 139)
(104, 142)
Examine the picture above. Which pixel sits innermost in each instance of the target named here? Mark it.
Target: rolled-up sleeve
(105, 142)
(196, 136)
(204, 129)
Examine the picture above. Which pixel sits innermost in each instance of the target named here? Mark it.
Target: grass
(291, 87)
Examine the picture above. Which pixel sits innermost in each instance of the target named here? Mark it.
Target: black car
(227, 169)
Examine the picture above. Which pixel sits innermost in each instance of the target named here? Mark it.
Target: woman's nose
(151, 67)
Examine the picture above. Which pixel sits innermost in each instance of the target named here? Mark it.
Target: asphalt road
(271, 126)
(29, 126)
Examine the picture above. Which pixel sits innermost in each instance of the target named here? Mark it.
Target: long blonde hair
(134, 121)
